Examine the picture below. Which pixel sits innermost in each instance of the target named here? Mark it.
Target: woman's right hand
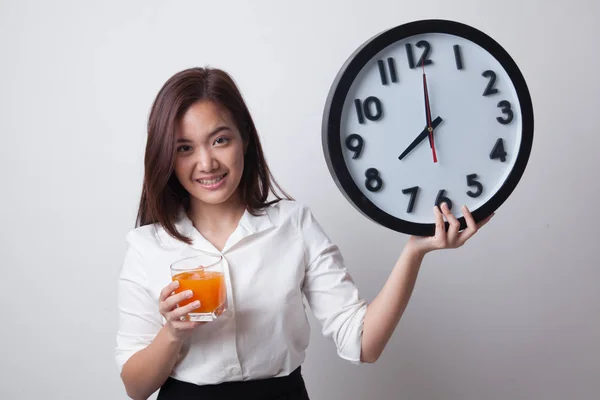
(167, 305)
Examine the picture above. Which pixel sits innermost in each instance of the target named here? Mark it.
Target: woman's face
(209, 159)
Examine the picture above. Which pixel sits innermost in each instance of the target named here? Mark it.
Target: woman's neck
(210, 218)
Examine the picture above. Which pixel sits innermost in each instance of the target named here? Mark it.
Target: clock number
(355, 143)
(413, 191)
(373, 182)
(424, 60)
(490, 89)
(498, 151)
(472, 181)
(359, 111)
(366, 109)
(410, 56)
(441, 198)
(458, 57)
(383, 72)
(505, 110)
(426, 51)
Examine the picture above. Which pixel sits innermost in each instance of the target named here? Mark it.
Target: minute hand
(420, 138)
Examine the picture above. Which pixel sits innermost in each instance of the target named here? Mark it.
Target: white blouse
(271, 262)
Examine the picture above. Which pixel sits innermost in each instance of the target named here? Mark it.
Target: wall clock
(427, 112)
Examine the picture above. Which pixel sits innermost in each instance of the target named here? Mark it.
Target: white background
(512, 315)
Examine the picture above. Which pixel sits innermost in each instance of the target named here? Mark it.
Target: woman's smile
(212, 183)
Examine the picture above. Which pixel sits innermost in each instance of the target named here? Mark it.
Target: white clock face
(474, 111)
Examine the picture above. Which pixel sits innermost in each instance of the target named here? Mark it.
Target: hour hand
(420, 138)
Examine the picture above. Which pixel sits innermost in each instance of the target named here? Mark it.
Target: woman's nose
(206, 161)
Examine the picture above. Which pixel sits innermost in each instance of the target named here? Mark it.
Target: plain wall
(515, 314)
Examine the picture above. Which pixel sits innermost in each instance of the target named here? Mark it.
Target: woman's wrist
(415, 250)
(170, 338)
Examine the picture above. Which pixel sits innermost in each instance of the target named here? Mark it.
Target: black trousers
(289, 387)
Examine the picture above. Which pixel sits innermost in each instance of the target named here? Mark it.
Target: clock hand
(428, 115)
(425, 133)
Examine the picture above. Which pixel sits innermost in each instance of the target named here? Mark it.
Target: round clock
(427, 112)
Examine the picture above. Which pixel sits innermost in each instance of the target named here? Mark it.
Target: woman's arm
(148, 369)
(384, 313)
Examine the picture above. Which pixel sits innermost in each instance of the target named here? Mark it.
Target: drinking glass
(203, 275)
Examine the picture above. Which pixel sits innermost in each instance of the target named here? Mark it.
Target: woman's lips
(212, 184)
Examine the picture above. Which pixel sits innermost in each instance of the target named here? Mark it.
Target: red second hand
(429, 115)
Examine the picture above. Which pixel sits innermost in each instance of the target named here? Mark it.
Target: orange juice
(207, 286)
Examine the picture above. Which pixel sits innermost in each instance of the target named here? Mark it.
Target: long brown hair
(162, 194)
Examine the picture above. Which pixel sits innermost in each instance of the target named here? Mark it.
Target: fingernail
(196, 304)
(176, 284)
(189, 293)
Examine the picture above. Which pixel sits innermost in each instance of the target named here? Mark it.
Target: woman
(206, 188)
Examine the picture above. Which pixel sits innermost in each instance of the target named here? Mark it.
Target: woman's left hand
(450, 239)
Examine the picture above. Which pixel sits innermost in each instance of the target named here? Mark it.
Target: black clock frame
(331, 138)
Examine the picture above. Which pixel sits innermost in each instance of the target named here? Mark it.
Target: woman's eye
(183, 148)
(222, 140)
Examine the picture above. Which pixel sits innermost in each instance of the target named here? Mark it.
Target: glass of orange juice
(203, 275)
